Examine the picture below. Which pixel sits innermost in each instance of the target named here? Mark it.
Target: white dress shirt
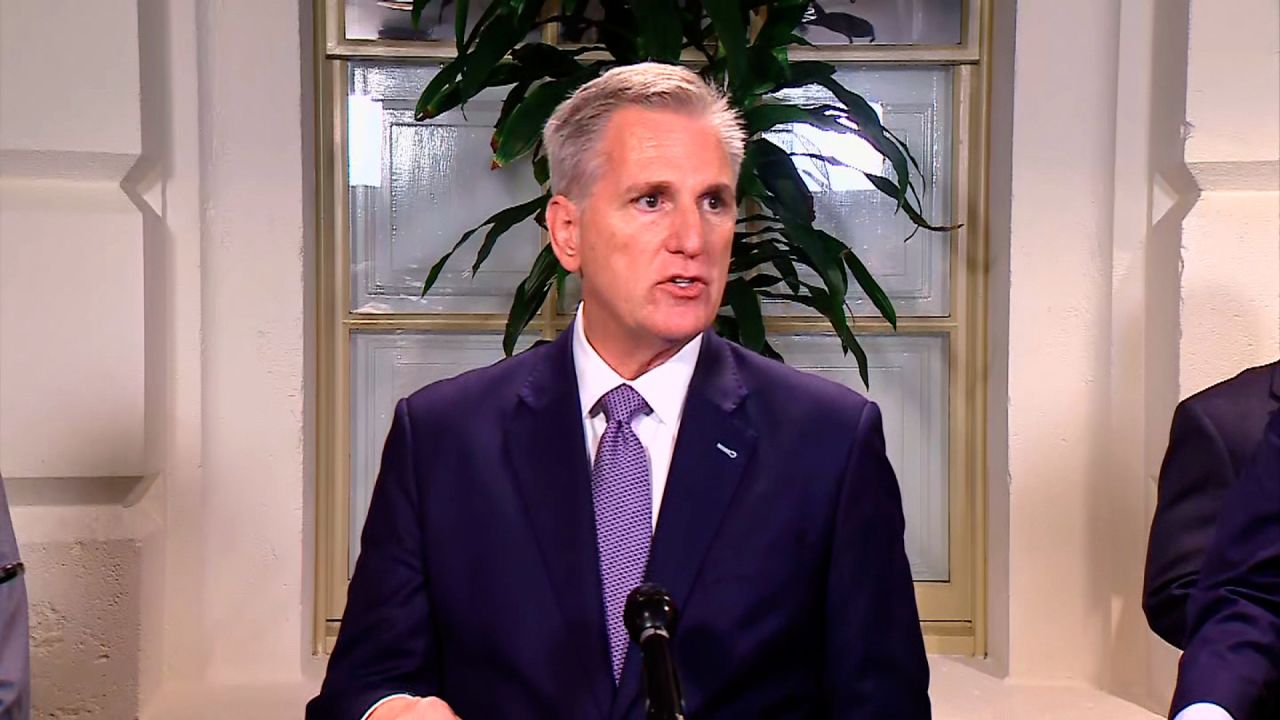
(1203, 711)
(663, 387)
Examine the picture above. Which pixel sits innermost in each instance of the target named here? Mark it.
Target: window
(396, 194)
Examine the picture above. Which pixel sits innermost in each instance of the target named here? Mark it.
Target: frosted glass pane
(391, 20)
(386, 367)
(914, 103)
(914, 22)
(909, 383)
(417, 187)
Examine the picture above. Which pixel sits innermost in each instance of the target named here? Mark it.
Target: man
(1214, 433)
(1232, 663)
(15, 661)
(517, 505)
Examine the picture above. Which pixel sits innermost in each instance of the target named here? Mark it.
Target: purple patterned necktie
(622, 494)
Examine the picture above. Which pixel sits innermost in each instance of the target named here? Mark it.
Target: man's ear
(563, 225)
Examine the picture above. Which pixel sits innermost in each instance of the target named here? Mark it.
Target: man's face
(652, 237)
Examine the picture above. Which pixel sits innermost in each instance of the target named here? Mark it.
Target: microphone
(650, 619)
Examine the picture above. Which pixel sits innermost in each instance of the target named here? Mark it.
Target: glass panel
(416, 187)
(913, 22)
(909, 381)
(386, 367)
(392, 20)
(915, 103)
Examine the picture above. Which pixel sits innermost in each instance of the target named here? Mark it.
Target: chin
(679, 330)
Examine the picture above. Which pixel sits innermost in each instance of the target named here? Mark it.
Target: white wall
(161, 445)
(1120, 302)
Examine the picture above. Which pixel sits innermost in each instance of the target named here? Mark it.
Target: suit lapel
(548, 456)
(712, 450)
(1275, 381)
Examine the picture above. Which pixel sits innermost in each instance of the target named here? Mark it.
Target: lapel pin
(731, 453)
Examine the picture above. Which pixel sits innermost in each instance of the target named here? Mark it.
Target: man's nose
(686, 236)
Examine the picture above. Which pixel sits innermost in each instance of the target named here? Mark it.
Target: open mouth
(683, 286)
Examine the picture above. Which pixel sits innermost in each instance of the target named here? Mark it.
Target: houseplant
(739, 45)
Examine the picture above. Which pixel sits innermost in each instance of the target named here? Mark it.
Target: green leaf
(694, 31)
(415, 15)
(760, 281)
(742, 298)
(434, 99)
(769, 352)
(522, 130)
(459, 21)
(659, 33)
(727, 327)
(503, 221)
(618, 32)
(870, 129)
(788, 196)
(546, 60)
(801, 40)
(541, 168)
(531, 293)
(731, 33)
(807, 72)
(509, 104)
(781, 22)
(494, 39)
(812, 243)
(787, 269)
(872, 288)
(886, 186)
(907, 150)
(819, 300)
(767, 116)
(766, 70)
(499, 217)
(436, 269)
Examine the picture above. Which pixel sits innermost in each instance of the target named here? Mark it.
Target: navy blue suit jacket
(1213, 435)
(478, 576)
(1233, 657)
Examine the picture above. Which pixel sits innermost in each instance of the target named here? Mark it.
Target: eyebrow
(662, 186)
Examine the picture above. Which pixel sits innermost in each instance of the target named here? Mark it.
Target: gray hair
(575, 127)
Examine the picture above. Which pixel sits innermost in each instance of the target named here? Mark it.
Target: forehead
(646, 135)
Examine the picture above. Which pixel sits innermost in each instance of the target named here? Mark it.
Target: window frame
(953, 612)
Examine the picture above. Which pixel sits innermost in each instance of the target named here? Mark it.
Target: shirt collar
(664, 387)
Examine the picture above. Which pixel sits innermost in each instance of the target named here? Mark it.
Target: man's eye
(715, 202)
(648, 202)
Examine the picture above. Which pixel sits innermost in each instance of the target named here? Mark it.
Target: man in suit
(518, 504)
(1214, 433)
(1232, 664)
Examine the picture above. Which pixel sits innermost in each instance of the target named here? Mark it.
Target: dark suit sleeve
(15, 656)
(386, 644)
(1193, 478)
(875, 660)
(1233, 658)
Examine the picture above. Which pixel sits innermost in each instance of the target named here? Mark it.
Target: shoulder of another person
(1223, 400)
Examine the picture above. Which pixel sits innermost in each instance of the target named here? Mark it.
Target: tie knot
(622, 404)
